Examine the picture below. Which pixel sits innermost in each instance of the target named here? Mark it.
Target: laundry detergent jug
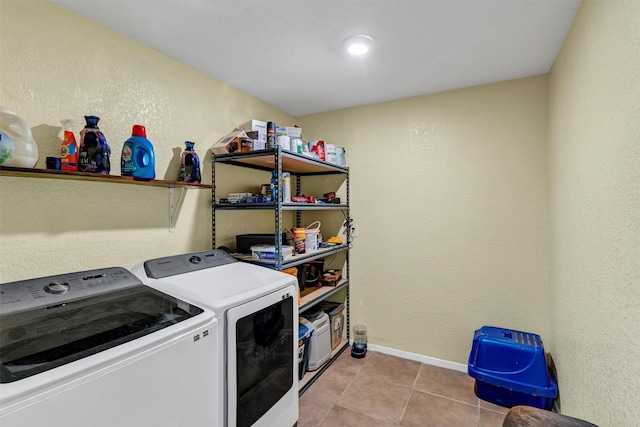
(18, 148)
(138, 159)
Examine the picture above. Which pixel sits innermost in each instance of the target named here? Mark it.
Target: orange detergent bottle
(69, 148)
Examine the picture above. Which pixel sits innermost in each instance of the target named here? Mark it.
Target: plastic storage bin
(304, 334)
(245, 241)
(320, 342)
(510, 368)
(335, 310)
(266, 252)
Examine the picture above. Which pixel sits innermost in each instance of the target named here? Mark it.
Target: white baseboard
(419, 358)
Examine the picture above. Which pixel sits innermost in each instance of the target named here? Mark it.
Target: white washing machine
(98, 348)
(257, 310)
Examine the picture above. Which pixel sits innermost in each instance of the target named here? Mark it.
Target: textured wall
(450, 195)
(56, 65)
(450, 191)
(595, 180)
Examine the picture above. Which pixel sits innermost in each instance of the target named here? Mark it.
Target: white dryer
(98, 348)
(257, 310)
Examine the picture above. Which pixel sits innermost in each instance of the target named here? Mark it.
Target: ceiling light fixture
(358, 45)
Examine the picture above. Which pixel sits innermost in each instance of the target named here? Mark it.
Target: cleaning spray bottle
(69, 148)
(189, 165)
(138, 159)
(94, 151)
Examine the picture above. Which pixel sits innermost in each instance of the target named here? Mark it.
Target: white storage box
(294, 132)
(320, 342)
(261, 128)
(268, 252)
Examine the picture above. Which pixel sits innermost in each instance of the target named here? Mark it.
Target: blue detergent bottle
(138, 159)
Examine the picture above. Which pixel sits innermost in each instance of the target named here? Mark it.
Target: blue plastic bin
(510, 368)
(304, 334)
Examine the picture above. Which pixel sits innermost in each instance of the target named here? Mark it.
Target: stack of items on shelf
(320, 332)
(92, 154)
(260, 135)
(263, 249)
(294, 242)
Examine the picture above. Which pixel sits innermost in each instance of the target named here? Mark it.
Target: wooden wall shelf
(85, 176)
(113, 179)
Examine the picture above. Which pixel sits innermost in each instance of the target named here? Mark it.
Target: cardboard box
(260, 127)
(245, 144)
(230, 143)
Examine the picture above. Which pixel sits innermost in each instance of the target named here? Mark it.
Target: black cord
(348, 223)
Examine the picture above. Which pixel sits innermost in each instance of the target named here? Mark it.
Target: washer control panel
(57, 287)
(181, 264)
(52, 290)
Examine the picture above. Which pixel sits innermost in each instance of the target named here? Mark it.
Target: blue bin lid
(304, 323)
(531, 377)
(302, 332)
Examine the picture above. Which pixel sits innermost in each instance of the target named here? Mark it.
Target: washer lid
(215, 280)
(29, 294)
(73, 322)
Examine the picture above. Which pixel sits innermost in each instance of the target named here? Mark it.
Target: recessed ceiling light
(358, 45)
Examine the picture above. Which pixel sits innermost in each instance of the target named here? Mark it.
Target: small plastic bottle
(189, 165)
(69, 148)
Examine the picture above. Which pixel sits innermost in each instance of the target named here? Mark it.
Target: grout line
(502, 412)
(417, 376)
(406, 405)
(450, 398)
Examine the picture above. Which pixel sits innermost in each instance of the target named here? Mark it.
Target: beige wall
(594, 138)
(450, 195)
(55, 65)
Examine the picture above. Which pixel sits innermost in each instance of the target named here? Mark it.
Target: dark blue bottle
(189, 165)
(94, 152)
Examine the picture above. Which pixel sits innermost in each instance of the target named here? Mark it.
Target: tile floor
(382, 390)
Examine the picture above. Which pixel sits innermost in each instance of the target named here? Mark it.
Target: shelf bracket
(174, 205)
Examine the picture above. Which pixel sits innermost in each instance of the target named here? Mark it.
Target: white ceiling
(288, 52)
